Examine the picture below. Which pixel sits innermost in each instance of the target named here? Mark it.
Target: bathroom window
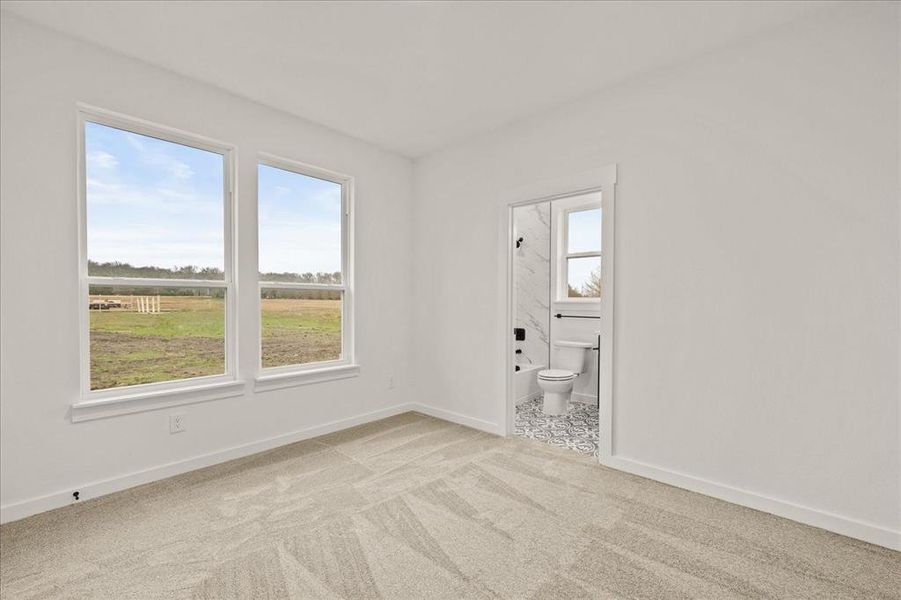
(155, 248)
(305, 284)
(582, 260)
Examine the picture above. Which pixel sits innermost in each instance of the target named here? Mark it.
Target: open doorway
(559, 311)
(556, 311)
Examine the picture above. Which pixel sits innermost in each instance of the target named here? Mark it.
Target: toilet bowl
(557, 386)
(557, 383)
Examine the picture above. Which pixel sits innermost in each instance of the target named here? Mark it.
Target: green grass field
(186, 338)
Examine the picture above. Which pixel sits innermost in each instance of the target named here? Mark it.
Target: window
(582, 259)
(156, 258)
(305, 288)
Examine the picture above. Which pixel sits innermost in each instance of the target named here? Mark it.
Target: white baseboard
(528, 398)
(867, 532)
(453, 417)
(26, 508)
(585, 399)
(860, 530)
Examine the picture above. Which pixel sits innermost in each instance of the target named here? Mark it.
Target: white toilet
(557, 383)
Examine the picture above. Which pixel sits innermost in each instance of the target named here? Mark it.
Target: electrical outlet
(176, 423)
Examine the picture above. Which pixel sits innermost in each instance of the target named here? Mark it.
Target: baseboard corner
(458, 418)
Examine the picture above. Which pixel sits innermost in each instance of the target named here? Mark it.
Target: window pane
(154, 208)
(584, 277)
(146, 335)
(300, 227)
(300, 326)
(584, 232)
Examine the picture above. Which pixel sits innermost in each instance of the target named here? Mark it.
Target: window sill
(111, 406)
(277, 381)
(590, 305)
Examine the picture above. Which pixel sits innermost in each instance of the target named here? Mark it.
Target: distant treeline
(273, 293)
(120, 269)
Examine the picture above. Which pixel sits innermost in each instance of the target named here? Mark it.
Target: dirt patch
(119, 359)
(298, 347)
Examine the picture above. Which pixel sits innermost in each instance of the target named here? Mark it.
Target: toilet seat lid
(555, 374)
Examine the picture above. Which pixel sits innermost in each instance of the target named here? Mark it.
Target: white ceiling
(412, 76)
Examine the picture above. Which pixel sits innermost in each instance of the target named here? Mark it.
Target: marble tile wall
(532, 281)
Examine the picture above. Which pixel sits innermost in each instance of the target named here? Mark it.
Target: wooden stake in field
(148, 304)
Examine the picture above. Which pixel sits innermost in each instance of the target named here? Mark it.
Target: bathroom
(555, 305)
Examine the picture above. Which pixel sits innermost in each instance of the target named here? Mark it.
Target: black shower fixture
(519, 242)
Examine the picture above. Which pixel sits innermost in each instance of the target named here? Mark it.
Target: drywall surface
(757, 325)
(43, 452)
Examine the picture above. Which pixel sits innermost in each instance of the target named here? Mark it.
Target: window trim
(563, 254)
(300, 374)
(147, 396)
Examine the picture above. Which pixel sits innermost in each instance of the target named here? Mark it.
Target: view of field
(156, 211)
(300, 330)
(186, 337)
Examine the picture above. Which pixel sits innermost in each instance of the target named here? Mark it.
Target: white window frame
(313, 372)
(134, 398)
(563, 254)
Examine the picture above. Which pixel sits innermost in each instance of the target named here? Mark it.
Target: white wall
(757, 323)
(45, 456)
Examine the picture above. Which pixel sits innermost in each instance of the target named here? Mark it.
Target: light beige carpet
(415, 507)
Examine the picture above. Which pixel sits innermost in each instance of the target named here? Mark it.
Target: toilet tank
(571, 355)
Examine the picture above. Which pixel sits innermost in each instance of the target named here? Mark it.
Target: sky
(583, 235)
(152, 202)
(300, 222)
(156, 203)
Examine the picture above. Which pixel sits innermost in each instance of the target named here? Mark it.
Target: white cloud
(150, 245)
(172, 166)
(179, 169)
(299, 246)
(99, 186)
(134, 140)
(152, 155)
(158, 200)
(99, 159)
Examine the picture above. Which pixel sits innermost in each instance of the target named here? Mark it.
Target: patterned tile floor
(577, 430)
